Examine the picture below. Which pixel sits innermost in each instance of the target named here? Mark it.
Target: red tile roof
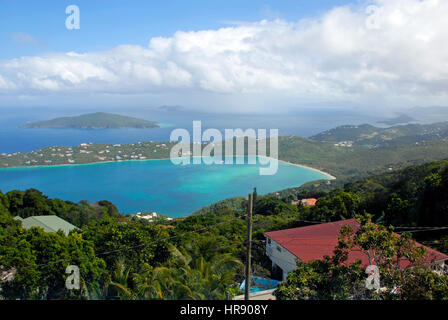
(309, 202)
(314, 242)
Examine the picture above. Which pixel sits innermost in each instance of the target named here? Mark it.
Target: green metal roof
(48, 223)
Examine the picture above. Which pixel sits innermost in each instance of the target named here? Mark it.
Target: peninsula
(98, 120)
(342, 160)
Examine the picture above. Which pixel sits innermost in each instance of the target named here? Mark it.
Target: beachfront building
(49, 223)
(285, 247)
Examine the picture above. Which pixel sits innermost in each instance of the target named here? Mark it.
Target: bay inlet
(154, 185)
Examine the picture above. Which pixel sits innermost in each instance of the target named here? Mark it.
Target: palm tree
(185, 278)
(119, 284)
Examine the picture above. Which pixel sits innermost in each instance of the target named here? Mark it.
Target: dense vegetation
(332, 279)
(202, 256)
(414, 196)
(368, 135)
(33, 203)
(376, 150)
(353, 163)
(86, 153)
(96, 120)
(118, 257)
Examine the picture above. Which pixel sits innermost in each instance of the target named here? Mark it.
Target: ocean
(154, 185)
(14, 139)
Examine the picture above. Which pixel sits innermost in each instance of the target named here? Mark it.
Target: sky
(218, 56)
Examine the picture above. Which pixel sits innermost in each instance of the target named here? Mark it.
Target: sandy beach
(310, 168)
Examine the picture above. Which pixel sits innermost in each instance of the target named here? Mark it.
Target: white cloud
(335, 57)
(6, 84)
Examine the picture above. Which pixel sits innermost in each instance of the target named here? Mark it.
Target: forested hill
(356, 162)
(33, 203)
(98, 120)
(347, 162)
(415, 196)
(368, 135)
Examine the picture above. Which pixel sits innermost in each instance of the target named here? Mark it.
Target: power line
(206, 228)
(420, 227)
(308, 221)
(424, 230)
(395, 227)
(136, 246)
(87, 283)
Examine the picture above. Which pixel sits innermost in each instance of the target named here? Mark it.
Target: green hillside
(202, 256)
(368, 135)
(345, 163)
(356, 162)
(98, 120)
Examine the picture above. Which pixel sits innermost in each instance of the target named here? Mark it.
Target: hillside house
(305, 202)
(49, 223)
(309, 243)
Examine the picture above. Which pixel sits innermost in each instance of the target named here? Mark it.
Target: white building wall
(286, 261)
(280, 257)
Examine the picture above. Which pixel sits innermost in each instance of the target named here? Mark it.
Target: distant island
(171, 108)
(98, 120)
(370, 136)
(402, 118)
(346, 152)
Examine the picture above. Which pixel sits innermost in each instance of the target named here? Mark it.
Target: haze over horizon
(275, 56)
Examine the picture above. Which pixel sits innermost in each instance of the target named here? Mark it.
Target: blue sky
(236, 55)
(108, 23)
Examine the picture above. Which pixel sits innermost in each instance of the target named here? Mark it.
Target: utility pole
(249, 247)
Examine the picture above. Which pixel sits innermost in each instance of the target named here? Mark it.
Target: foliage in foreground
(333, 279)
(200, 256)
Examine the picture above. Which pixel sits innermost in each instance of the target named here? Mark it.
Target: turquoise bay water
(154, 185)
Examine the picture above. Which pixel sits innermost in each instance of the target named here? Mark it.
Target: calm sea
(14, 139)
(154, 185)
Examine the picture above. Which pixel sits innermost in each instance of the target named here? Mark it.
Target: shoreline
(310, 168)
(331, 177)
(77, 164)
